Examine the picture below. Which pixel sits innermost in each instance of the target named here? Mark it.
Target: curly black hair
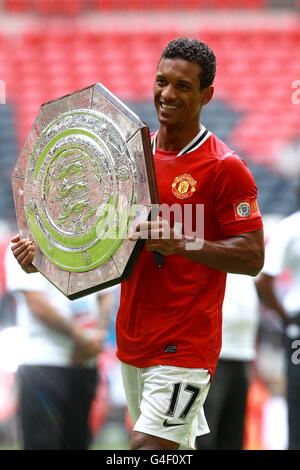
(193, 50)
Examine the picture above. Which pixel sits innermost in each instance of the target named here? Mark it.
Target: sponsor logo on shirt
(246, 209)
(184, 186)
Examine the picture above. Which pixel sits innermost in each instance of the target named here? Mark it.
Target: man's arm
(86, 346)
(40, 306)
(242, 254)
(105, 301)
(265, 285)
(96, 336)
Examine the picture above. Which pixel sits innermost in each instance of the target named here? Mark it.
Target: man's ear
(207, 95)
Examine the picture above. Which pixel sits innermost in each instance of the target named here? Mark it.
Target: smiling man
(170, 317)
(179, 97)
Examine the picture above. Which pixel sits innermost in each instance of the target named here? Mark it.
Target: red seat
(69, 7)
(15, 6)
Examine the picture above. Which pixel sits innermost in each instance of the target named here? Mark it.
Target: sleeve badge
(246, 209)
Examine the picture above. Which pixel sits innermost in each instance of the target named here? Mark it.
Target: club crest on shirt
(184, 186)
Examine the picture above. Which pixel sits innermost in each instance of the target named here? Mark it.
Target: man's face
(177, 96)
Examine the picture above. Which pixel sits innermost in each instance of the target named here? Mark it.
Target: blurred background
(49, 48)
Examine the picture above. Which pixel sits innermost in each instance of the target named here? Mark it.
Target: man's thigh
(169, 401)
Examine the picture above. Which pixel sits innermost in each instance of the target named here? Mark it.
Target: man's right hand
(24, 251)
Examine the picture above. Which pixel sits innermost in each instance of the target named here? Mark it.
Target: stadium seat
(67, 7)
(16, 6)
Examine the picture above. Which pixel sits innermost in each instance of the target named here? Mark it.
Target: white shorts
(167, 402)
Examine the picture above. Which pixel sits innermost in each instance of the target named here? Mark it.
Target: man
(58, 375)
(225, 406)
(169, 321)
(283, 253)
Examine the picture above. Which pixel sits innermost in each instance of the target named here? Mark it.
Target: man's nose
(168, 93)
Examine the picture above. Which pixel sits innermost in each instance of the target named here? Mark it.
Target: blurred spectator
(58, 375)
(283, 253)
(225, 406)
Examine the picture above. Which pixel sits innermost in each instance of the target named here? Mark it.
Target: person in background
(57, 377)
(283, 253)
(225, 406)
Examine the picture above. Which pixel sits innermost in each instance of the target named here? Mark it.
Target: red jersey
(173, 316)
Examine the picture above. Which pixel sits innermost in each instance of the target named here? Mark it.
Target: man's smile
(168, 107)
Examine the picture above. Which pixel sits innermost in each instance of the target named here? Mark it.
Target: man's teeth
(168, 106)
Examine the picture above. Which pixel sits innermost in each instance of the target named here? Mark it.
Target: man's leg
(213, 407)
(133, 392)
(81, 383)
(231, 431)
(40, 390)
(141, 441)
(164, 403)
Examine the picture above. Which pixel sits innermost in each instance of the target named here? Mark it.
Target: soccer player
(170, 317)
(225, 406)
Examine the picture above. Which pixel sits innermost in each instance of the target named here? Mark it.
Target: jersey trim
(197, 141)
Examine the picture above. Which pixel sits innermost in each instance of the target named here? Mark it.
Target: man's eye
(160, 81)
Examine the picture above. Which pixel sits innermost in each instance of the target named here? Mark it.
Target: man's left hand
(159, 237)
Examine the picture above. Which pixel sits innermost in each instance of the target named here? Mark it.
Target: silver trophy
(84, 179)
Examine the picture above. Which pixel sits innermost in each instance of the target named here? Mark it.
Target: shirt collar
(197, 141)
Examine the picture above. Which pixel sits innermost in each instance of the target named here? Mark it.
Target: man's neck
(172, 140)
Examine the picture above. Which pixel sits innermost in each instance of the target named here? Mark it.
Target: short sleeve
(276, 250)
(235, 201)
(17, 279)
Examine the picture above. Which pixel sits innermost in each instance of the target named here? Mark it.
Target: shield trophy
(84, 179)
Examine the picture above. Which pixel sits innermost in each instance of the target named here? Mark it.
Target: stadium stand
(252, 110)
(255, 81)
(73, 7)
